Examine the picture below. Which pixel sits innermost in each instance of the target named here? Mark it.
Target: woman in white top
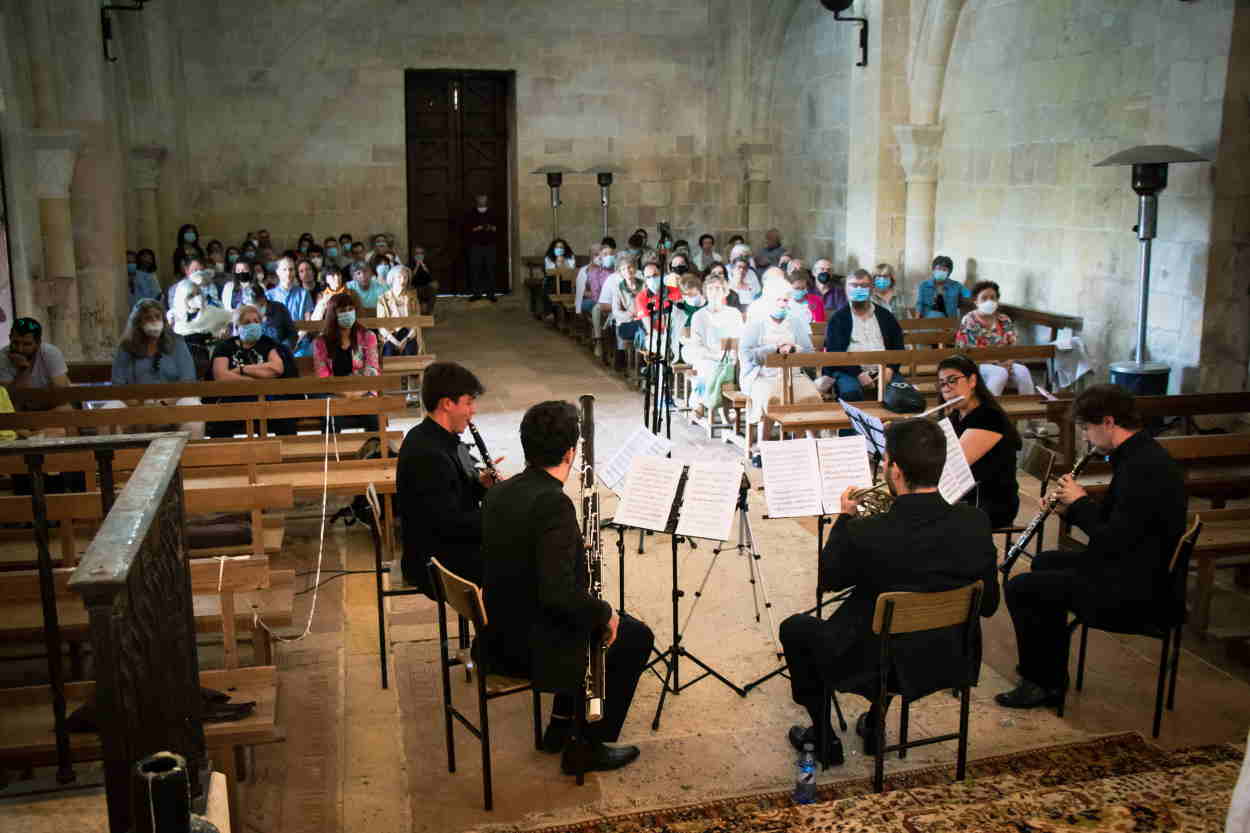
(704, 256)
(777, 332)
(624, 314)
(704, 348)
(743, 281)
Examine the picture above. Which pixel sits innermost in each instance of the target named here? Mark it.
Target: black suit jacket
(439, 503)
(924, 545)
(838, 335)
(1132, 531)
(540, 614)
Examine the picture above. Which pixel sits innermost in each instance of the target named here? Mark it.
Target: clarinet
(597, 651)
(481, 449)
(1017, 549)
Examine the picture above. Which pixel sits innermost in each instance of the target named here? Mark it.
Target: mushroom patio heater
(555, 178)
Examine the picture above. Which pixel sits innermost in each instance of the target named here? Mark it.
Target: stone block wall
(1038, 90)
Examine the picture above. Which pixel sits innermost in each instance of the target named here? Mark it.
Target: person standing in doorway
(482, 228)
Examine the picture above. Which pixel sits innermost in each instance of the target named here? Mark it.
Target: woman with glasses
(988, 437)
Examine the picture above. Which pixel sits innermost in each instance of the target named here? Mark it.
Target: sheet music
(791, 478)
(650, 489)
(843, 462)
(709, 500)
(640, 443)
(861, 420)
(957, 477)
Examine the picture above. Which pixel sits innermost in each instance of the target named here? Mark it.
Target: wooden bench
(798, 419)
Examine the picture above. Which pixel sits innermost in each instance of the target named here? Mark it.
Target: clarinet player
(540, 612)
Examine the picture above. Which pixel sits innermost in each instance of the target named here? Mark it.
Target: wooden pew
(395, 323)
(1224, 543)
(798, 419)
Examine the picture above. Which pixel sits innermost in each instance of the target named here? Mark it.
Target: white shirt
(865, 333)
(707, 328)
(703, 262)
(579, 288)
(775, 332)
(607, 295)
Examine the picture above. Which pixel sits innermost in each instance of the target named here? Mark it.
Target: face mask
(316, 261)
(481, 209)
(824, 277)
(858, 294)
(131, 268)
(558, 251)
(304, 249)
(383, 268)
(696, 301)
(987, 307)
(882, 282)
(940, 275)
(418, 259)
(188, 236)
(798, 294)
(346, 318)
(154, 328)
(780, 314)
(271, 266)
(681, 268)
(653, 284)
(249, 333)
(608, 261)
(200, 276)
(232, 259)
(332, 252)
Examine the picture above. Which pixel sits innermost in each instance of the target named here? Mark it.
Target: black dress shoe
(868, 733)
(1029, 695)
(596, 757)
(556, 736)
(801, 735)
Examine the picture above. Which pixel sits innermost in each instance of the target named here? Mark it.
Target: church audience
(29, 362)
(885, 290)
(249, 354)
(400, 301)
(938, 296)
(232, 289)
(345, 348)
(150, 354)
(598, 274)
(775, 331)
(583, 275)
(830, 287)
(335, 285)
(275, 320)
(860, 326)
(808, 305)
(743, 280)
(186, 247)
(705, 348)
(142, 277)
(198, 280)
(365, 287)
(649, 309)
(772, 251)
(423, 280)
(624, 307)
(307, 270)
(706, 255)
(985, 326)
(298, 301)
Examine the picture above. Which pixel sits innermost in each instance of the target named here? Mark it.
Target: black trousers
(801, 639)
(482, 261)
(627, 659)
(1039, 602)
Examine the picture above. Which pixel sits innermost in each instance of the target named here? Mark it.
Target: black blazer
(1132, 532)
(439, 500)
(539, 611)
(838, 335)
(923, 544)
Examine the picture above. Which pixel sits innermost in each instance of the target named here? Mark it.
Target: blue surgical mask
(132, 268)
(608, 261)
(249, 333)
(882, 282)
(188, 236)
(271, 266)
(332, 252)
(558, 251)
(780, 313)
(346, 318)
(798, 294)
(383, 268)
(940, 274)
(653, 284)
(232, 259)
(858, 294)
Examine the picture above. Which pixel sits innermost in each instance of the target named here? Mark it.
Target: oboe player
(1124, 569)
(540, 613)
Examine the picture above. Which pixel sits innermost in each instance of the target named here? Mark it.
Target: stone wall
(1038, 90)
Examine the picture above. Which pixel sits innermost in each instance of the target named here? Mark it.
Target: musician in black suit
(439, 490)
(540, 613)
(1122, 575)
(923, 544)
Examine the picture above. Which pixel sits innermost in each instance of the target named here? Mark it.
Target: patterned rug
(1116, 783)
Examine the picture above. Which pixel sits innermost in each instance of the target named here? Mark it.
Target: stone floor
(361, 759)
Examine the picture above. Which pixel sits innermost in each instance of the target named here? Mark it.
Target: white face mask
(153, 329)
(481, 209)
(987, 307)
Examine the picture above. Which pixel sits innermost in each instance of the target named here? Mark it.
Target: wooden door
(457, 147)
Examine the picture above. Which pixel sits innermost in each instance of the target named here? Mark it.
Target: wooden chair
(905, 613)
(465, 598)
(1166, 628)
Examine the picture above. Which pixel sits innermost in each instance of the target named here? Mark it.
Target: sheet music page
(957, 478)
(640, 443)
(861, 420)
(843, 463)
(650, 489)
(709, 500)
(791, 478)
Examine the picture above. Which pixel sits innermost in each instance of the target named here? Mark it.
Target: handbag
(901, 397)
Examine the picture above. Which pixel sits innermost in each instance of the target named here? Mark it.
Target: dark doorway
(457, 131)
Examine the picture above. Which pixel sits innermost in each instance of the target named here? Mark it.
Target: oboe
(481, 449)
(597, 651)
(1048, 506)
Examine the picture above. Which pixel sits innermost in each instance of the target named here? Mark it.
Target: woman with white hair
(149, 354)
(400, 301)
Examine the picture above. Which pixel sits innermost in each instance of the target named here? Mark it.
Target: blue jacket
(175, 366)
(952, 291)
(838, 336)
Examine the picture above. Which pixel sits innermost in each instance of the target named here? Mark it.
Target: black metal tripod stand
(657, 410)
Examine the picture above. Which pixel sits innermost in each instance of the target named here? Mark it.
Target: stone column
(920, 147)
(145, 175)
(56, 152)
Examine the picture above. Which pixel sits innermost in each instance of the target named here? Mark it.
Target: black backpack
(901, 397)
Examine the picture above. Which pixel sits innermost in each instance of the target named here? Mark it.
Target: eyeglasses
(949, 381)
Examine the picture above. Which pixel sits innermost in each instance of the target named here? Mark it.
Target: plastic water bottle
(805, 784)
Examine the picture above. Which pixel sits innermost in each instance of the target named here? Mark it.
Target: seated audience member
(583, 275)
(559, 265)
(772, 252)
(679, 265)
(365, 284)
(198, 277)
(691, 301)
(6, 407)
(885, 290)
(275, 320)
(638, 246)
(299, 302)
(186, 247)
(335, 285)
(216, 253)
(345, 348)
(743, 281)
(199, 325)
(540, 613)
(30, 363)
(989, 439)
(985, 326)
(439, 490)
(807, 304)
(232, 290)
(706, 349)
(706, 255)
(307, 271)
(400, 302)
(860, 326)
(829, 286)
(356, 255)
(938, 296)
(598, 274)
(423, 280)
(330, 249)
(150, 354)
(923, 544)
(624, 304)
(141, 276)
(249, 354)
(775, 331)
(655, 302)
(773, 283)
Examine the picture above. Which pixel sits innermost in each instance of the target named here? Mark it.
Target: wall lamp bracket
(106, 24)
(839, 6)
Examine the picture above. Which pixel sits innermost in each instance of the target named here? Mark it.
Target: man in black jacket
(540, 613)
(439, 489)
(1122, 576)
(923, 544)
(860, 326)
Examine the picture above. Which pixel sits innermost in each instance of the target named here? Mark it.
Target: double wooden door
(457, 133)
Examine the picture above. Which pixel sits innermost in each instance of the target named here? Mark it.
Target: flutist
(1124, 569)
(922, 544)
(541, 615)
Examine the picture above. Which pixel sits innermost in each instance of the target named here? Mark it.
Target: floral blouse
(364, 355)
(972, 333)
